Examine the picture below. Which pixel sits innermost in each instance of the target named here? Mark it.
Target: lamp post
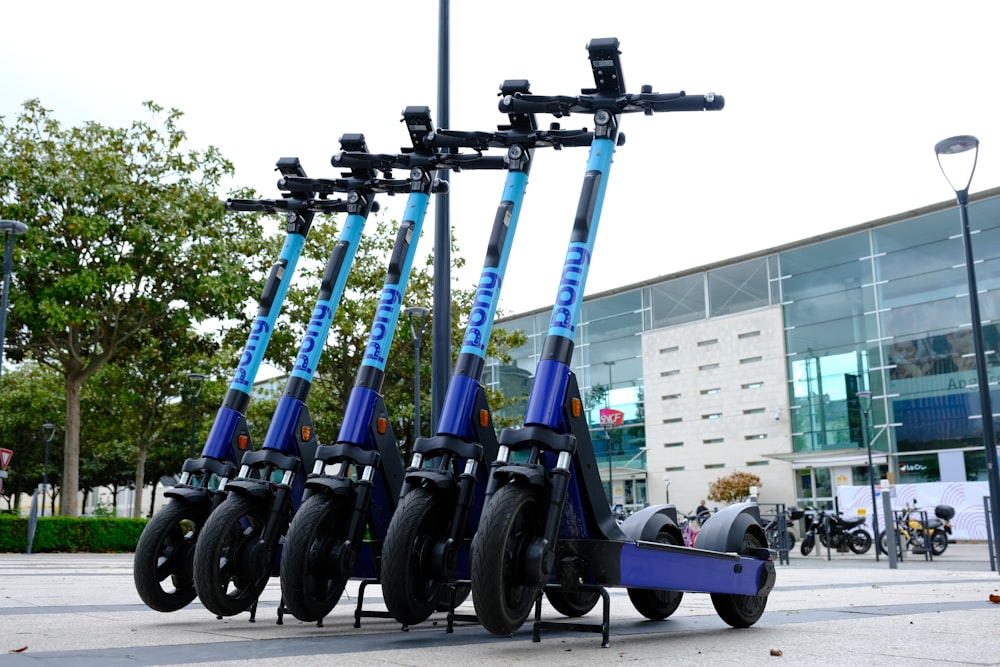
(197, 380)
(961, 165)
(10, 229)
(49, 431)
(865, 402)
(418, 319)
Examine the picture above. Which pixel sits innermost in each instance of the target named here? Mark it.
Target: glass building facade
(882, 306)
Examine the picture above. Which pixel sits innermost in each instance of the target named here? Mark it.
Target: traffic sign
(5, 456)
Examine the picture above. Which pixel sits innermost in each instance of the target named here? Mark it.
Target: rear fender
(725, 529)
(647, 524)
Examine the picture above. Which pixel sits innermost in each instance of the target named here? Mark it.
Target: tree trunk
(140, 478)
(71, 450)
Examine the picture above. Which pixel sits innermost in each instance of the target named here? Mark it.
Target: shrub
(70, 534)
(734, 488)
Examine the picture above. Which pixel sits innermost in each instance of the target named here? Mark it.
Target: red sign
(5, 455)
(611, 417)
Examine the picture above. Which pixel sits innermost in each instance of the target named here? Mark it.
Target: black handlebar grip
(709, 102)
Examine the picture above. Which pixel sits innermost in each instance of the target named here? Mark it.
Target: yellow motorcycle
(912, 533)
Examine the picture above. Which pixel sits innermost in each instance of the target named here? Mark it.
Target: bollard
(890, 530)
(33, 517)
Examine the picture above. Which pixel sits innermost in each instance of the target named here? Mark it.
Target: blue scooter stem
(545, 402)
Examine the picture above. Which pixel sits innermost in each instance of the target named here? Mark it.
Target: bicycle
(546, 524)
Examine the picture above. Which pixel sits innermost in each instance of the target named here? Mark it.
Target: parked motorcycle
(911, 532)
(836, 531)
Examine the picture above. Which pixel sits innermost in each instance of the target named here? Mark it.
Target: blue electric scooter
(547, 524)
(353, 489)
(239, 547)
(163, 558)
(425, 551)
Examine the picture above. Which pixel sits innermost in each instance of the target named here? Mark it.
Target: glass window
(740, 287)
(678, 301)
(825, 307)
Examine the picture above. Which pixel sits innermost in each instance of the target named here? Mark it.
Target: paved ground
(82, 609)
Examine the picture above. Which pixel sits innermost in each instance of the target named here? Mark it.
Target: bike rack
(604, 627)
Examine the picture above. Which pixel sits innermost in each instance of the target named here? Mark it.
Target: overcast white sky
(832, 109)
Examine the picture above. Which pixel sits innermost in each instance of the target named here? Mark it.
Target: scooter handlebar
(646, 102)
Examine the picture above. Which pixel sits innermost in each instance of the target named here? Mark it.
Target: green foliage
(62, 534)
(128, 243)
(733, 488)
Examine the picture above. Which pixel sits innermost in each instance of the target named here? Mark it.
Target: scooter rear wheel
(164, 556)
(230, 569)
(509, 523)
(573, 604)
(656, 605)
(408, 585)
(312, 576)
(742, 611)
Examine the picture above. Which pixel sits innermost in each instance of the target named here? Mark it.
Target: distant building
(755, 363)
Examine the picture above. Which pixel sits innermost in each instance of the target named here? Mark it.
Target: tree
(30, 395)
(126, 231)
(733, 488)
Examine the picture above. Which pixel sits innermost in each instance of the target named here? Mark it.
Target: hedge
(67, 534)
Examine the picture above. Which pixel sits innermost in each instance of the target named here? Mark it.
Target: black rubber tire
(656, 605)
(165, 555)
(939, 542)
(859, 541)
(883, 543)
(572, 603)
(509, 523)
(312, 577)
(228, 576)
(808, 542)
(408, 586)
(742, 611)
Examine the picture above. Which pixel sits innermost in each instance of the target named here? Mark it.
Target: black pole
(871, 477)
(986, 404)
(441, 326)
(10, 228)
(194, 422)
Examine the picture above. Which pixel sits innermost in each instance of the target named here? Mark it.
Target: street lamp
(865, 402)
(10, 229)
(197, 380)
(418, 318)
(49, 431)
(961, 154)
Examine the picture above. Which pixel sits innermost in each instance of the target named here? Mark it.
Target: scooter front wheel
(164, 556)
(231, 568)
(500, 592)
(742, 611)
(312, 568)
(408, 585)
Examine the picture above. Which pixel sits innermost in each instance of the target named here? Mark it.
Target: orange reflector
(242, 442)
(306, 433)
(575, 407)
(382, 425)
(484, 418)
